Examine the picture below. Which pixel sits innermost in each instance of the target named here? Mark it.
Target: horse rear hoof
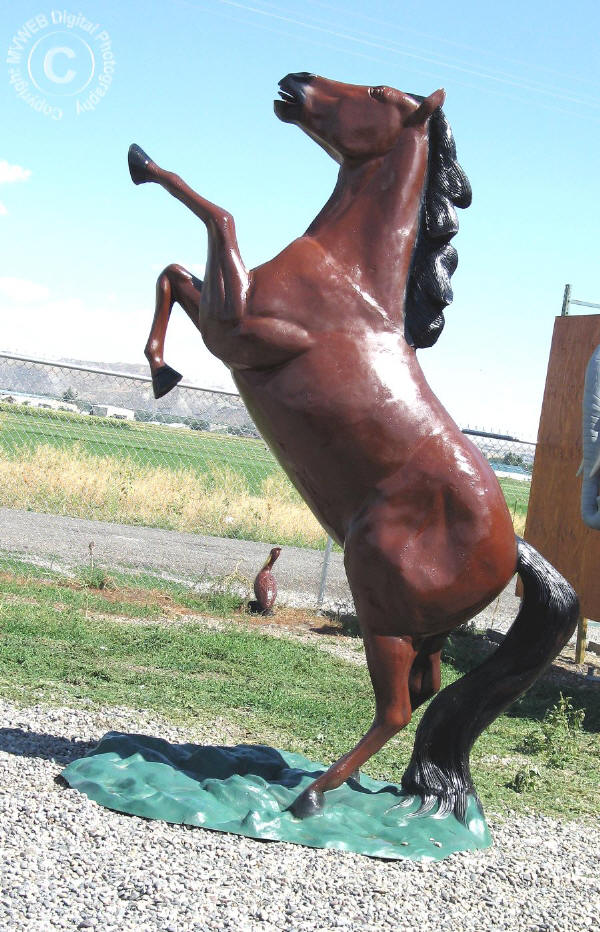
(163, 380)
(138, 165)
(309, 803)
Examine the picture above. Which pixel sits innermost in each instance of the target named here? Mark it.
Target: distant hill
(218, 409)
(129, 368)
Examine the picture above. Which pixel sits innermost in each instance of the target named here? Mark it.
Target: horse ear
(426, 107)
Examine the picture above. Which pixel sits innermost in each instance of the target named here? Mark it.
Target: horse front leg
(223, 297)
(175, 285)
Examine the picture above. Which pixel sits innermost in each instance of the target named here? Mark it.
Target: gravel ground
(69, 864)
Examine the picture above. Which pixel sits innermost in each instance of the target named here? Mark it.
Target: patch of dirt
(565, 671)
(14, 599)
(295, 618)
(109, 591)
(132, 596)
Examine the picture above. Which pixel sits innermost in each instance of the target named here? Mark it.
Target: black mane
(434, 260)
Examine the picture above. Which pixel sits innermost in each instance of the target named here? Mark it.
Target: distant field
(160, 476)
(146, 444)
(516, 494)
(136, 473)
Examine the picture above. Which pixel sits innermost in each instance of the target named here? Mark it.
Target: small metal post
(581, 639)
(324, 571)
(566, 301)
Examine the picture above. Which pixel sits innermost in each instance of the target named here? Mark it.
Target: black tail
(439, 768)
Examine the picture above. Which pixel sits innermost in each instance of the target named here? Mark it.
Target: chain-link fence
(89, 443)
(96, 444)
(512, 461)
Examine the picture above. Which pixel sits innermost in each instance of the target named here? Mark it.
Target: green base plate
(246, 790)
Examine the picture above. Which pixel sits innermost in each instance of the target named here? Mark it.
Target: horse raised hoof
(138, 165)
(163, 380)
(309, 803)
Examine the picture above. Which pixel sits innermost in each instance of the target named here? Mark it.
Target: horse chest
(333, 405)
(305, 285)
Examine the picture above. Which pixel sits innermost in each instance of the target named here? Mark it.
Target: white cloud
(34, 323)
(22, 291)
(3, 210)
(11, 173)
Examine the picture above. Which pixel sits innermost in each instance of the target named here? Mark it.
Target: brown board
(554, 524)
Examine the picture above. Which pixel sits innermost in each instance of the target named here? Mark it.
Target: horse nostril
(303, 76)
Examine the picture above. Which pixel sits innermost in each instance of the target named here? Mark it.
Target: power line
(436, 38)
(394, 49)
(410, 52)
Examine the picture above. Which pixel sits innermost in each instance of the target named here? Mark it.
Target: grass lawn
(516, 494)
(148, 445)
(141, 642)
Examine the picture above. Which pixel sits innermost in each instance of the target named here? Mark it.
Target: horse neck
(370, 222)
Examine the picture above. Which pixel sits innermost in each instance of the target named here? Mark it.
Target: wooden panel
(554, 525)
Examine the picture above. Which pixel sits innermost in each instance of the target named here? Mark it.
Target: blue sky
(192, 81)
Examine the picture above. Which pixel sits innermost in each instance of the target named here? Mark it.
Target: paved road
(64, 541)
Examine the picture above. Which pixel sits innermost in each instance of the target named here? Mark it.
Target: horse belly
(433, 546)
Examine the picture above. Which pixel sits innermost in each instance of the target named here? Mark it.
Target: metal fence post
(324, 571)
(568, 300)
(582, 627)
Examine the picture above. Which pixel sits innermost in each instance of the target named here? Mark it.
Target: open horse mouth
(292, 94)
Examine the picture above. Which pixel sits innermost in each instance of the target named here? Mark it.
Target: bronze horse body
(322, 345)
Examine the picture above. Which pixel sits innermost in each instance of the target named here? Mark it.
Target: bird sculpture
(265, 587)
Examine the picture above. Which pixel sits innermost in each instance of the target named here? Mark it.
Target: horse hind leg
(439, 770)
(389, 661)
(175, 285)
(425, 678)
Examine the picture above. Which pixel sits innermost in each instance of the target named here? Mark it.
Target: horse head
(351, 121)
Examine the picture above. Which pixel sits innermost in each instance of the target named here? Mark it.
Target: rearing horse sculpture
(321, 342)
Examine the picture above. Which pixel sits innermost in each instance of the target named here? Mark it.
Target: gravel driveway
(63, 542)
(69, 864)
